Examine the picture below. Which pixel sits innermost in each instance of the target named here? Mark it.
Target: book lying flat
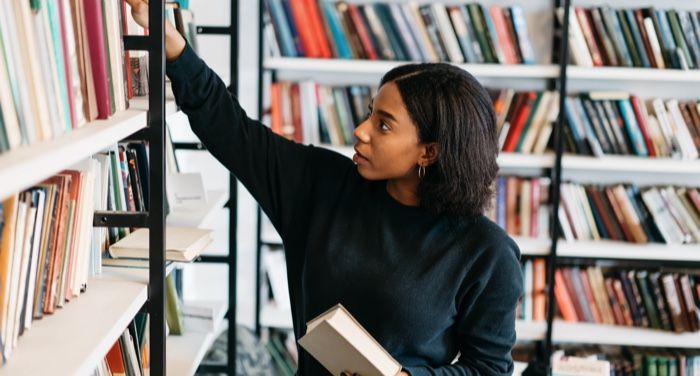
(341, 344)
(181, 244)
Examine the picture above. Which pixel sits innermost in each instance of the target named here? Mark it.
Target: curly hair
(451, 108)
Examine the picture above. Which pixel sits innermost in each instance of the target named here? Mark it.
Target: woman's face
(388, 145)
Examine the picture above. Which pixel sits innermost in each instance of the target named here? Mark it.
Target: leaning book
(341, 344)
(181, 244)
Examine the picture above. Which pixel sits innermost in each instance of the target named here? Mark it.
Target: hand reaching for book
(174, 42)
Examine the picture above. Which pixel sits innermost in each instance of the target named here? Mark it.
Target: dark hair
(451, 108)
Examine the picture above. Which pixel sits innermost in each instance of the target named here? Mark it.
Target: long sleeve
(486, 318)
(275, 170)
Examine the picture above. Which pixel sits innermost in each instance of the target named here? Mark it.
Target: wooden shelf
(568, 332)
(633, 74)
(185, 353)
(201, 216)
(379, 67)
(22, 167)
(609, 249)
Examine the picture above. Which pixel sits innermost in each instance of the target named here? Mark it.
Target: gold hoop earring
(421, 171)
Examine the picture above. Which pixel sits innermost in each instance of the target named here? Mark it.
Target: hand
(174, 42)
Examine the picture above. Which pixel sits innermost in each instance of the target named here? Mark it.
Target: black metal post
(156, 218)
(233, 206)
(556, 174)
(258, 245)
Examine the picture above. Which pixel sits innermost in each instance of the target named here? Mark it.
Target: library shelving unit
(92, 323)
(566, 79)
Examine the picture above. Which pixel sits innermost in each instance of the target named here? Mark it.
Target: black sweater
(427, 287)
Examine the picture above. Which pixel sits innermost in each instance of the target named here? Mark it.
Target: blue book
(281, 26)
(618, 39)
(471, 36)
(632, 127)
(339, 39)
(589, 135)
(575, 124)
(637, 36)
(691, 35)
(501, 202)
(520, 27)
(55, 24)
(665, 33)
(293, 28)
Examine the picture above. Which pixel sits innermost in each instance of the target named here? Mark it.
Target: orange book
(631, 217)
(276, 108)
(539, 286)
(296, 112)
(519, 122)
(507, 45)
(512, 190)
(614, 303)
(319, 31)
(618, 214)
(115, 360)
(63, 183)
(70, 258)
(564, 302)
(9, 212)
(300, 14)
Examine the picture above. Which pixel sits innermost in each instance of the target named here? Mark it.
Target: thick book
(341, 344)
(181, 244)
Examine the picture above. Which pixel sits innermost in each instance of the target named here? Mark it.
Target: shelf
(630, 164)
(22, 167)
(530, 330)
(91, 323)
(379, 67)
(201, 216)
(185, 353)
(633, 74)
(610, 249)
(533, 246)
(273, 316)
(621, 335)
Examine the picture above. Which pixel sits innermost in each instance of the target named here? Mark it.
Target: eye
(384, 127)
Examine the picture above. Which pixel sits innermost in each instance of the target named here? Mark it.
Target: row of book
(616, 123)
(533, 304)
(524, 120)
(520, 206)
(283, 351)
(627, 213)
(392, 31)
(85, 74)
(129, 355)
(641, 298)
(641, 37)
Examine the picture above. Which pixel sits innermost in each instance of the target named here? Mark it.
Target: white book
(34, 258)
(9, 109)
(448, 34)
(378, 30)
(181, 244)
(662, 217)
(579, 49)
(654, 42)
(412, 10)
(586, 206)
(337, 341)
(538, 120)
(665, 126)
(14, 277)
(680, 129)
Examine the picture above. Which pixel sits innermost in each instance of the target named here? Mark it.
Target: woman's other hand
(174, 42)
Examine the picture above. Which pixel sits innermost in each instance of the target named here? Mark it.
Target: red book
(587, 29)
(127, 56)
(519, 122)
(637, 106)
(507, 45)
(98, 55)
(319, 31)
(306, 32)
(276, 108)
(539, 286)
(115, 360)
(362, 31)
(618, 214)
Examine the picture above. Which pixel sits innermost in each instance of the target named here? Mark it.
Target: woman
(397, 236)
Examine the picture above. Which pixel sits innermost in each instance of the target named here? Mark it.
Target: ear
(429, 154)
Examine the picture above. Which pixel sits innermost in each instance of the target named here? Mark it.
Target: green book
(662, 364)
(481, 32)
(533, 112)
(678, 36)
(629, 40)
(173, 311)
(650, 366)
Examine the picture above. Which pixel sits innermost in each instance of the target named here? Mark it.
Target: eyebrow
(383, 113)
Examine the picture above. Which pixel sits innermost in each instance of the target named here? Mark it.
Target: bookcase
(552, 70)
(94, 321)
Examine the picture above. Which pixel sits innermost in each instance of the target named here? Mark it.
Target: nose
(362, 132)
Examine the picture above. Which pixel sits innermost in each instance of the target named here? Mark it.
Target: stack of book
(70, 51)
(626, 213)
(533, 305)
(647, 299)
(642, 37)
(468, 33)
(521, 206)
(644, 362)
(617, 123)
(130, 354)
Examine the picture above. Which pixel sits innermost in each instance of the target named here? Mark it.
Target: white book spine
(448, 35)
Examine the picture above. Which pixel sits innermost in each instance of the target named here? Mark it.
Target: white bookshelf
(533, 246)
(184, 353)
(22, 167)
(568, 332)
(530, 330)
(631, 164)
(633, 74)
(378, 67)
(605, 249)
(90, 323)
(202, 215)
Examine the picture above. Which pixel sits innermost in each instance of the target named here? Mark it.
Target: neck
(404, 191)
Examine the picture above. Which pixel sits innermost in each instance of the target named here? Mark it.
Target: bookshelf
(569, 79)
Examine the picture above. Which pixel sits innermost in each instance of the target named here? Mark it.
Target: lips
(359, 157)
